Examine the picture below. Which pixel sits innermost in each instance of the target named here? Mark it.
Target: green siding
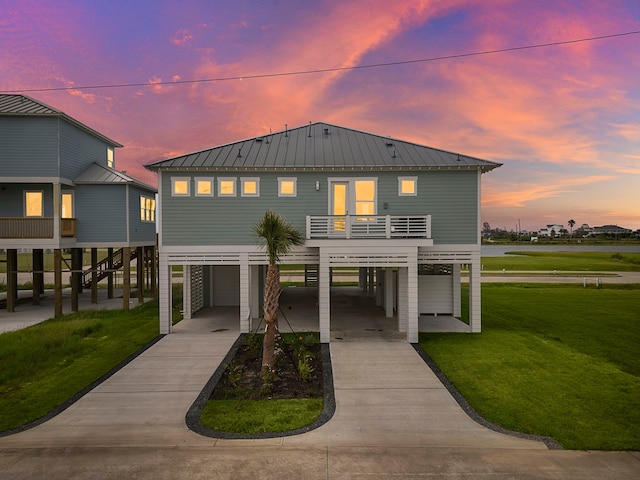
(12, 198)
(448, 196)
(79, 150)
(101, 213)
(139, 231)
(29, 147)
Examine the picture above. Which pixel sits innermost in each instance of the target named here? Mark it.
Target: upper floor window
(227, 187)
(204, 187)
(110, 157)
(180, 187)
(33, 204)
(365, 197)
(287, 186)
(250, 187)
(147, 209)
(408, 186)
(67, 205)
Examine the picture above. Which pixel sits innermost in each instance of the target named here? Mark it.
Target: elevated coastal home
(408, 216)
(60, 191)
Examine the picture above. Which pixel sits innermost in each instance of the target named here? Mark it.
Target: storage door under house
(225, 285)
(435, 290)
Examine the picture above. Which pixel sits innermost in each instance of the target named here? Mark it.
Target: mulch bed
(242, 378)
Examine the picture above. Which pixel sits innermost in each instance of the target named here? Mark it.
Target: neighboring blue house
(405, 214)
(59, 190)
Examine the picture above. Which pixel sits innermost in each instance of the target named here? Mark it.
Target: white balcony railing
(375, 226)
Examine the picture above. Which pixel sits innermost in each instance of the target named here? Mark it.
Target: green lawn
(259, 416)
(45, 365)
(557, 360)
(565, 261)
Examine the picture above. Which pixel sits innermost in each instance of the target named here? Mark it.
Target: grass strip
(564, 261)
(260, 416)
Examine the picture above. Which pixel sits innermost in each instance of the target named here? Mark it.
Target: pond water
(501, 250)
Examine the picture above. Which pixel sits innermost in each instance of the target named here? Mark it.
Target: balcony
(39, 227)
(368, 227)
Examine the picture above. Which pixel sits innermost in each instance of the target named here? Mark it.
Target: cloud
(182, 37)
(522, 194)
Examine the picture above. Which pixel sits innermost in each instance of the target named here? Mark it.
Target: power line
(332, 69)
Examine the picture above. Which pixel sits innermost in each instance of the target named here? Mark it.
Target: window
(407, 186)
(287, 186)
(180, 187)
(250, 187)
(204, 187)
(33, 206)
(109, 157)
(227, 187)
(67, 205)
(365, 197)
(147, 209)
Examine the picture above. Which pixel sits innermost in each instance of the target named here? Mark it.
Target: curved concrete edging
(193, 415)
(471, 412)
(67, 403)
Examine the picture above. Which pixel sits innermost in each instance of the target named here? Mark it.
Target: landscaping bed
(297, 374)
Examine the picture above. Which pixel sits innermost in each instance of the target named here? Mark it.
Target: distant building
(611, 230)
(551, 230)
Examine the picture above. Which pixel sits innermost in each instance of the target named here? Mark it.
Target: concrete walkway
(393, 419)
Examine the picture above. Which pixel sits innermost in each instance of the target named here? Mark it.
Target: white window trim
(415, 183)
(41, 192)
(228, 179)
(144, 210)
(352, 192)
(180, 179)
(250, 179)
(111, 161)
(73, 202)
(288, 179)
(204, 179)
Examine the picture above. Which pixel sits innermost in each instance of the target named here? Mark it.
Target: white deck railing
(374, 226)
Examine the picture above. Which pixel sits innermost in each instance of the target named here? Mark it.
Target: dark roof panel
(323, 145)
(21, 105)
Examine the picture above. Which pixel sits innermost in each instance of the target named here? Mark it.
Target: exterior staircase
(103, 267)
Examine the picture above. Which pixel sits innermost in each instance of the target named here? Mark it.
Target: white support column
(324, 298)
(412, 299)
(254, 286)
(389, 292)
(371, 282)
(186, 292)
(456, 290)
(403, 300)
(164, 295)
(475, 316)
(245, 298)
(379, 287)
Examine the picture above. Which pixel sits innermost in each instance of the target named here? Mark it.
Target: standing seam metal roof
(21, 105)
(98, 174)
(323, 146)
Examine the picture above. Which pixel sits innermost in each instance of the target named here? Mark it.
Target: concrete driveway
(393, 419)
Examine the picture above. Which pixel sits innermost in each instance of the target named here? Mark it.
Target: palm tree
(571, 223)
(278, 236)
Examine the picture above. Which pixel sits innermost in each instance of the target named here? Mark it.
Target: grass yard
(565, 261)
(556, 360)
(45, 365)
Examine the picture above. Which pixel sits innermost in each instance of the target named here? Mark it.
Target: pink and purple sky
(564, 120)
